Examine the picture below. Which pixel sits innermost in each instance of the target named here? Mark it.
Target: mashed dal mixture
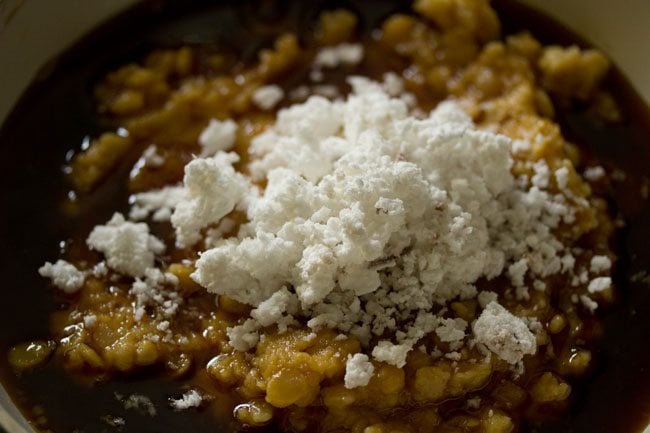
(398, 241)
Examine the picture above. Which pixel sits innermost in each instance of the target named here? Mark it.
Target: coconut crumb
(267, 97)
(504, 334)
(599, 284)
(343, 54)
(212, 190)
(588, 303)
(394, 354)
(190, 399)
(128, 247)
(64, 275)
(90, 321)
(600, 264)
(218, 136)
(358, 371)
(594, 174)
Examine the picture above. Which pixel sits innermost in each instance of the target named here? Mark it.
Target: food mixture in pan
(358, 233)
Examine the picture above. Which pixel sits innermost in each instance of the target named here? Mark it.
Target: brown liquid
(57, 112)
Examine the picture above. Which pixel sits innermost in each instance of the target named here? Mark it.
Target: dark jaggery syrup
(58, 111)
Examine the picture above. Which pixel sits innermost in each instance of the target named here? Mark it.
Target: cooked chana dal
(398, 240)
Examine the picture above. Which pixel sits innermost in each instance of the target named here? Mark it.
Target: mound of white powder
(373, 220)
